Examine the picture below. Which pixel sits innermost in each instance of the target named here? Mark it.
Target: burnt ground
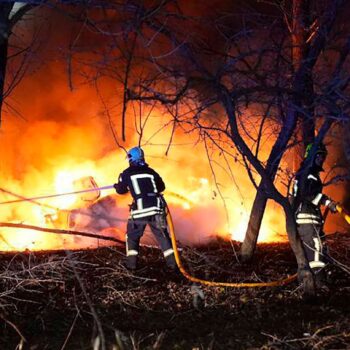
(83, 299)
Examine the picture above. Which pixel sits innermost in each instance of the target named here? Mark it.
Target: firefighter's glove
(333, 206)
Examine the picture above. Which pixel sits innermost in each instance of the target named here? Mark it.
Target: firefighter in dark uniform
(148, 207)
(307, 201)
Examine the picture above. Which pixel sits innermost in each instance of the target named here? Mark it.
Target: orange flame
(68, 137)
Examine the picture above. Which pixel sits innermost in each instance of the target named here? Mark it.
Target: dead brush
(88, 297)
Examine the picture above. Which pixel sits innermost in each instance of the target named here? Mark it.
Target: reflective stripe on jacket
(145, 186)
(309, 197)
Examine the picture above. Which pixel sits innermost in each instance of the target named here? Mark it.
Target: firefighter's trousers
(315, 248)
(135, 230)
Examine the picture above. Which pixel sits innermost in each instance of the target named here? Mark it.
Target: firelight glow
(69, 148)
(64, 184)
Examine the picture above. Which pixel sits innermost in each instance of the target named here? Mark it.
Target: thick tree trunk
(308, 120)
(302, 24)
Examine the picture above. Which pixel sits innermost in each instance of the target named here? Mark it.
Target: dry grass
(88, 300)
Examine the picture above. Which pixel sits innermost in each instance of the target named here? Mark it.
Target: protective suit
(307, 201)
(148, 207)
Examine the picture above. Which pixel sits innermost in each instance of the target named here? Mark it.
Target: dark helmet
(321, 149)
(136, 156)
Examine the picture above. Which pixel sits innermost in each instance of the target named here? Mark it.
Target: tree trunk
(302, 24)
(301, 20)
(259, 205)
(3, 64)
(255, 219)
(10, 14)
(5, 10)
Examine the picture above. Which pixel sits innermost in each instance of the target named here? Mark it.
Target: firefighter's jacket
(145, 186)
(309, 198)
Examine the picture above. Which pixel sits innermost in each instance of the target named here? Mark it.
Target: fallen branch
(61, 232)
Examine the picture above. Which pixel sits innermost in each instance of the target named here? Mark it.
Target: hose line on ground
(172, 236)
(213, 283)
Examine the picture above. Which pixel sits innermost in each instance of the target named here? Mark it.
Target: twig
(70, 330)
(23, 339)
(88, 300)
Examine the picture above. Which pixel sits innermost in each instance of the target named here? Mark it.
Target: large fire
(53, 157)
(55, 136)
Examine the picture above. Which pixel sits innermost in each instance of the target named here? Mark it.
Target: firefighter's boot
(170, 259)
(321, 281)
(131, 262)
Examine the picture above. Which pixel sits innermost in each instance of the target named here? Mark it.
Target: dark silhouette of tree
(10, 14)
(309, 40)
(200, 68)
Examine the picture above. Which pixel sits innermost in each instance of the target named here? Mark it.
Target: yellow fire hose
(213, 283)
(343, 214)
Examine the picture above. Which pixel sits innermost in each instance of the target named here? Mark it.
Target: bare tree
(308, 41)
(224, 65)
(13, 13)
(10, 14)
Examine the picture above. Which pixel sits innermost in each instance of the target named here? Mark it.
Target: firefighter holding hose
(307, 200)
(148, 207)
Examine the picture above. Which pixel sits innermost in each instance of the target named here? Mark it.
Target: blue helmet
(136, 156)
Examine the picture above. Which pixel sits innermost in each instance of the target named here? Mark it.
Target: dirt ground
(87, 300)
